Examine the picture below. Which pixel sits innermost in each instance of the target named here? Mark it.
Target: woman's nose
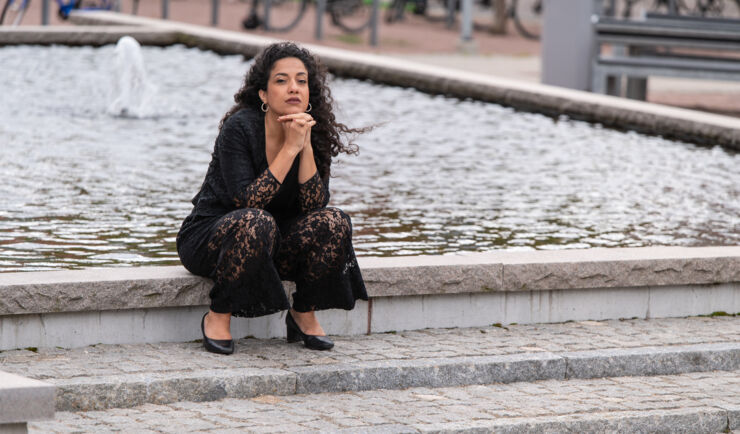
(293, 86)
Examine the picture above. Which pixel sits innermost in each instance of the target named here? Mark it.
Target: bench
(663, 45)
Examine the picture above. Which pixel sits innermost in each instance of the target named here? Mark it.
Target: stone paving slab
(694, 402)
(109, 376)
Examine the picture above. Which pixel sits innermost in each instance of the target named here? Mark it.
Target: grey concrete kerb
(128, 390)
(22, 400)
(88, 35)
(157, 287)
(682, 124)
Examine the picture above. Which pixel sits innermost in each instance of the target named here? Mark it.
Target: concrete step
(118, 376)
(693, 402)
(76, 308)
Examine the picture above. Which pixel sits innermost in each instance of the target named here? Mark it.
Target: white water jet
(132, 93)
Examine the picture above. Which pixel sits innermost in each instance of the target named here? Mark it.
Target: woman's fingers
(295, 116)
(299, 129)
(302, 124)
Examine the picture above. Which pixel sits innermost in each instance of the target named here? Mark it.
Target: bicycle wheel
(13, 12)
(352, 16)
(526, 20)
(709, 8)
(283, 15)
(395, 11)
(4, 11)
(252, 20)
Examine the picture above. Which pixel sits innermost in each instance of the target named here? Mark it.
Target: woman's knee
(263, 222)
(339, 220)
(253, 224)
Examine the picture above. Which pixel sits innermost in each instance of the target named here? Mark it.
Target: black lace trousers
(247, 256)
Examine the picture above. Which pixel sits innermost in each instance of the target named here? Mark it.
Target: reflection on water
(438, 175)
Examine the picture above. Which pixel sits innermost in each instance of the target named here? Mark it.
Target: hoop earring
(264, 107)
(309, 108)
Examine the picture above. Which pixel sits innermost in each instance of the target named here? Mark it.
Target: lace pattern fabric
(248, 232)
(259, 193)
(248, 258)
(313, 194)
(240, 249)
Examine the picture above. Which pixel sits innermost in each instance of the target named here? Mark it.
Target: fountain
(132, 92)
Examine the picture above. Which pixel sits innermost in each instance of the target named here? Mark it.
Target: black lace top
(231, 235)
(238, 176)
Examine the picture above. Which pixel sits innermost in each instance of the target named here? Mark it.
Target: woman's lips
(293, 101)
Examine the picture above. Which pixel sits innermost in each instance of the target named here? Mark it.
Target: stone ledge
(157, 287)
(119, 391)
(90, 35)
(23, 399)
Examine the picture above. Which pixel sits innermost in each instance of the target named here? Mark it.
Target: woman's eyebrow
(286, 74)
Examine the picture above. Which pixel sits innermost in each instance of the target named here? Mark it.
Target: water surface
(437, 175)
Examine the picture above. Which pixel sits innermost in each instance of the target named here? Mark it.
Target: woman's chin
(291, 110)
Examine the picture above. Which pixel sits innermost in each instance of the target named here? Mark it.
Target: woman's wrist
(289, 151)
(307, 167)
(282, 162)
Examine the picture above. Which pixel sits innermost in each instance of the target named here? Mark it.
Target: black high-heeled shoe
(218, 346)
(312, 342)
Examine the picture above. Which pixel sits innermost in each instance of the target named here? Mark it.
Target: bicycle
(702, 8)
(397, 8)
(14, 10)
(352, 16)
(515, 11)
(526, 14)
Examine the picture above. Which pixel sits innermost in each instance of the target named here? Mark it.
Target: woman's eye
(280, 80)
(302, 81)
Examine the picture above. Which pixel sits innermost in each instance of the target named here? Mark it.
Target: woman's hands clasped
(297, 129)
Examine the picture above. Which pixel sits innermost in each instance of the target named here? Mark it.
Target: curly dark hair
(325, 135)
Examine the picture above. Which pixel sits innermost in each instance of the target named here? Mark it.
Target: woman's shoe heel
(293, 335)
(313, 342)
(218, 346)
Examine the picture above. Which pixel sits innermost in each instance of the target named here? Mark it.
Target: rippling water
(437, 175)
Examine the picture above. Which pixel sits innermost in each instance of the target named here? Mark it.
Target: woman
(261, 217)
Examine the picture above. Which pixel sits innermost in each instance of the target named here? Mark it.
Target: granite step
(693, 402)
(119, 376)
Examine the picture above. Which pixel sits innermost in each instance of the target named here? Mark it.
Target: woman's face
(287, 87)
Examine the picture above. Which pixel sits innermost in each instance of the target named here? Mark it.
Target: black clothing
(248, 232)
